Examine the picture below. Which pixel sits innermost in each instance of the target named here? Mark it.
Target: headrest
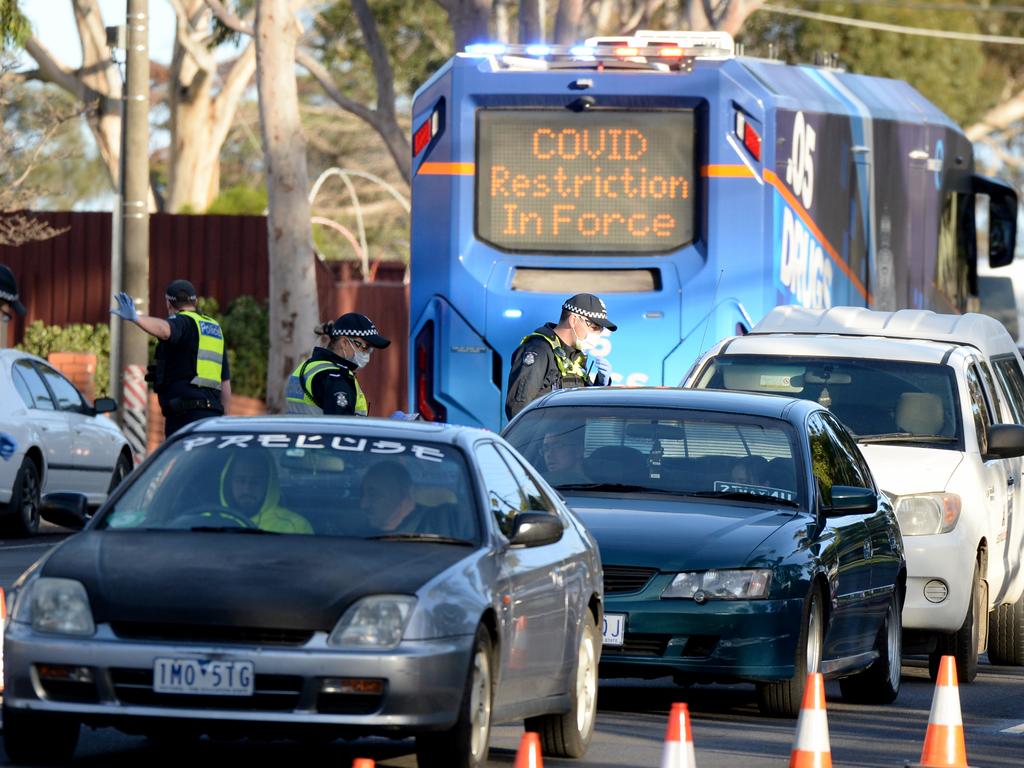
(919, 413)
(433, 495)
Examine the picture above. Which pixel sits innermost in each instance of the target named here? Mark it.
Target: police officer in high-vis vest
(555, 356)
(326, 383)
(190, 374)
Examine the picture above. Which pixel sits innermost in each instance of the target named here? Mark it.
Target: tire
(1006, 634)
(36, 738)
(964, 643)
(880, 683)
(121, 470)
(22, 518)
(784, 697)
(466, 744)
(569, 734)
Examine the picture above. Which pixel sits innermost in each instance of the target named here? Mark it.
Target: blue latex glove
(604, 371)
(125, 307)
(8, 445)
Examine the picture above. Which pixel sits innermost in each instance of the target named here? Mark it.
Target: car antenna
(714, 298)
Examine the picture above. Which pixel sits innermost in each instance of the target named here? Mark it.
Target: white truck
(937, 405)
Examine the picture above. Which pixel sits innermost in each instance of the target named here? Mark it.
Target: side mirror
(67, 509)
(1005, 441)
(105, 405)
(1002, 219)
(850, 500)
(535, 529)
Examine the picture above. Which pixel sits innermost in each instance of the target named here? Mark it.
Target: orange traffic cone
(528, 755)
(3, 625)
(944, 741)
(811, 748)
(362, 762)
(678, 752)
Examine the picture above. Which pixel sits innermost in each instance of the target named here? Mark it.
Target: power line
(925, 6)
(896, 28)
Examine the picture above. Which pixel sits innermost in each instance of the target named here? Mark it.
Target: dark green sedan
(743, 538)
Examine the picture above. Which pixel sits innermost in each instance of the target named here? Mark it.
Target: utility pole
(135, 221)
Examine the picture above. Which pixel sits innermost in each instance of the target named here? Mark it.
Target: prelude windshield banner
(606, 180)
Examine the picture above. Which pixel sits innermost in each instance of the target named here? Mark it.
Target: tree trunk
(469, 20)
(293, 298)
(567, 22)
(531, 21)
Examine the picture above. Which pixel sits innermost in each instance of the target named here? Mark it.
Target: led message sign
(613, 181)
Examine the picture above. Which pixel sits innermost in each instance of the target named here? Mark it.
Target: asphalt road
(727, 730)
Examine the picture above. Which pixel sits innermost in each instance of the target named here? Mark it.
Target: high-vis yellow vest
(298, 394)
(569, 368)
(210, 357)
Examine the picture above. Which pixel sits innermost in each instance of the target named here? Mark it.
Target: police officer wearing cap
(9, 294)
(326, 384)
(190, 374)
(555, 356)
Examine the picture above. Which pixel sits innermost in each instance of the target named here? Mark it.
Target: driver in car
(249, 487)
(563, 455)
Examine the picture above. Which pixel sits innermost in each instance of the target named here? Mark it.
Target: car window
(504, 496)
(854, 466)
(615, 449)
(979, 408)
(40, 395)
(535, 499)
(315, 483)
(1009, 374)
(22, 387)
(829, 459)
(68, 398)
(877, 399)
(999, 410)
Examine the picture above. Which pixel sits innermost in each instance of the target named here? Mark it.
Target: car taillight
(428, 407)
(747, 134)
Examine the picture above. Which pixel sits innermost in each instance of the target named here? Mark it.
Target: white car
(936, 403)
(63, 444)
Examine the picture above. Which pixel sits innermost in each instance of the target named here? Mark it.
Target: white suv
(936, 403)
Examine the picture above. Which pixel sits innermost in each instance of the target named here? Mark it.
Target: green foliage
(14, 27)
(239, 200)
(954, 75)
(42, 340)
(246, 327)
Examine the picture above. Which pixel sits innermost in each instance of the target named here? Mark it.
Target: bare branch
(185, 36)
(228, 19)
(322, 76)
(378, 56)
(226, 102)
(1000, 117)
(54, 71)
(18, 230)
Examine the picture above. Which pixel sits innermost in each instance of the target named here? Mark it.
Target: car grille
(271, 693)
(202, 633)
(638, 645)
(621, 579)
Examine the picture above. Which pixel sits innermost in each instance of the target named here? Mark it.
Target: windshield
(877, 400)
(308, 483)
(664, 451)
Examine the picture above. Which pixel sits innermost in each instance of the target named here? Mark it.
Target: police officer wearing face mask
(554, 356)
(326, 384)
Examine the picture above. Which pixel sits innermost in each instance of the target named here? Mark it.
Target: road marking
(1014, 729)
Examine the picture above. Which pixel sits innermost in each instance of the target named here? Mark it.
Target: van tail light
(423, 379)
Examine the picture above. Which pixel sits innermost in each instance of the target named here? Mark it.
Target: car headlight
(927, 513)
(373, 622)
(746, 584)
(57, 606)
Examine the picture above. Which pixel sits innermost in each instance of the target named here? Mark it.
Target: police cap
(9, 290)
(352, 324)
(181, 291)
(588, 306)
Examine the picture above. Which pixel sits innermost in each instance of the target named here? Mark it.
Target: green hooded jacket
(271, 516)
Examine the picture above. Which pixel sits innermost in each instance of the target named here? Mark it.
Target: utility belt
(184, 404)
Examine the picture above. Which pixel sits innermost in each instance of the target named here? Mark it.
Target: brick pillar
(154, 424)
(80, 368)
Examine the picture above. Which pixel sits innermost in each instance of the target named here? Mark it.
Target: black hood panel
(293, 582)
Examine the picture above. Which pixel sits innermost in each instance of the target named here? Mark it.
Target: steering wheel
(209, 517)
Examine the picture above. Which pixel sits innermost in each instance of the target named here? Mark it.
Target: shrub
(42, 339)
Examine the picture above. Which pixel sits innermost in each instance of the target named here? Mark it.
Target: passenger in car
(563, 456)
(249, 486)
(388, 504)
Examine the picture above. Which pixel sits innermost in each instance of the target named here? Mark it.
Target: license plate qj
(203, 677)
(614, 628)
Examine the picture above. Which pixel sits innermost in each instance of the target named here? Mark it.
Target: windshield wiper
(431, 537)
(745, 496)
(905, 437)
(231, 529)
(613, 487)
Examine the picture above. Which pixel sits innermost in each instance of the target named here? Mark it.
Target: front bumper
(423, 682)
(721, 640)
(948, 558)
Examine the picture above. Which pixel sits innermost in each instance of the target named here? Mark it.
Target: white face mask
(586, 342)
(359, 357)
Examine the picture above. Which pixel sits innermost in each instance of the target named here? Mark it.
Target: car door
(56, 436)
(851, 548)
(532, 610)
(94, 449)
(996, 499)
(1011, 379)
(884, 562)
